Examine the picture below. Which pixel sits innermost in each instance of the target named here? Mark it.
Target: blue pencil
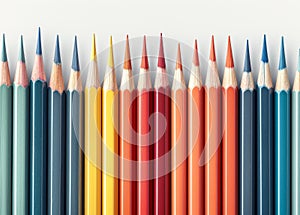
(282, 137)
(38, 135)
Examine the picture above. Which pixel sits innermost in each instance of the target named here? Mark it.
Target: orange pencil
(213, 134)
(195, 138)
(179, 141)
(230, 138)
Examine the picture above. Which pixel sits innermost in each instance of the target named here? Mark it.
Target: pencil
(5, 133)
(38, 134)
(92, 158)
(295, 188)
(230, 138)
(127, 120)
(161, 98)
(74, 138)
(144, 138)
(179, 141)
(110, 189)
(56, 137)
(196, 140)
(265, 144)
(247, 121)
(213, 136)
(282, 137)
(20, 167)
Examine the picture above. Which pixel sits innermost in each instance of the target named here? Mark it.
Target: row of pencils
(151, 149)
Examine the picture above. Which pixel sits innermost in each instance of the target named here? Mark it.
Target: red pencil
(144, 139)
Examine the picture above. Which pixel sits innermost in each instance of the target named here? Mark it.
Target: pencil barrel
(74, 154)
(38, 147)
(5, 148)
(247, 152)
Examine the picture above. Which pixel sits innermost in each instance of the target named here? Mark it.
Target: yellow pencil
(92, 159)
(110, 139)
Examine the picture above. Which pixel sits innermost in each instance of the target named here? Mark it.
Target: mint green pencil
(5, 133)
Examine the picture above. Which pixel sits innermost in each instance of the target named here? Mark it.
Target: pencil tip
(264, 55)
(144, 62)
(57, 59)
(196, 56)
(212, 55)
(75, 60)
(247, 63)
(299, 61)
(229, 58)
(4, 55)
(21, 52)
(110, 60)
(39, 43)
(282, 61)
(94, 51)
(161, 56)
(127, 59)
(178, 61)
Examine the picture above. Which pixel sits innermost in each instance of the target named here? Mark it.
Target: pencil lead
(4, 55)
(282, 62)
(196, 56)
(178, 61)
(75, 60)
(247, 63)
(161, 56)
(57, 59)
(39, 43)
(144, 62)
(212, 55)
(110, 60)
(264, 55)
(229, 58)
(127, 59)
(94, 51)
(21, 52)
(299, 61)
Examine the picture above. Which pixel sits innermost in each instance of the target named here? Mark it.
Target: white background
(182, 20)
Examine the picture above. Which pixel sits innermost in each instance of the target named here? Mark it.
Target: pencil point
(144, 62)
(196, 56)
(127, 59)
(4, 55)
(299, 61)
(161, 56)
(282, 61)
(75, 60)
(21, 52)
(212, 55)
(94, 51)
(264, 55)
(247, 63)
(39, 43)
(57, 59)
(229, 58)
(110, 60)
(178, 61)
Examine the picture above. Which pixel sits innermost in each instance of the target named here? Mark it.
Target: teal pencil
(282, 138)
(20, 190)
(5, 133)
(295, 186)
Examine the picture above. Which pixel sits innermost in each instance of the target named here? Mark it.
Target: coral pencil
(265, 144)
(110, 189)
(20, 166)
(38, 134)
(74, 139)
(282, 137)
(127, 140)
(247, 120)
(179, 141)
(196, 186)
(161, 98)
(5, 133)
(295, 150)
(144, 138)
(92, 149)
(212, 150)
(230, 138)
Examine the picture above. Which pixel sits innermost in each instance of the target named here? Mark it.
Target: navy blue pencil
(56, 138)
(247, 139)
(38, 135)
(74, 154)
